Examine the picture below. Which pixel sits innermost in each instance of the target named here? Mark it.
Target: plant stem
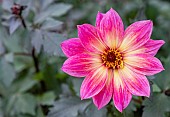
(36, 64)
(23, 22)
(35, 59)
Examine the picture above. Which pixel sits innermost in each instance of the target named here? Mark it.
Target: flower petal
(121, 95)
(80, 64)
(94, 82)
(105, 95)
(90, 38)
(72, 47)
(136, 35)
(99, 17)
(111, 26)
(144, 64)
(137, 84)
(152, 46)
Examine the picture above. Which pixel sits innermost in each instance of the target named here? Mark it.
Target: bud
(17, 9)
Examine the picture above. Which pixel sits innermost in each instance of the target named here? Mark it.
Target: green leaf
(164, 11)
(54, 10)
(25, 103)
(1, 111)
(156, 88)
(52, 43)
(156, 106)
(22, 62)
(151, 12)
(162, 79)
(76, 85)
(47, 98)
(9, 57)
(16, 42)
(92, 111)
(23, 84)
(129, 111)
(51, 24)
(46, 3)
(3, 89)
(14, 23)
(2, 48)
(7, 4)
(7, 72)
(60, 9)
(68, 107)
(37, 40)
(40, 112)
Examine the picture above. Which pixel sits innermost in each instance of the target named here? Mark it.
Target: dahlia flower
(114, 61)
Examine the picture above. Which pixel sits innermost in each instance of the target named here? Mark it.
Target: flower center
(112, 59)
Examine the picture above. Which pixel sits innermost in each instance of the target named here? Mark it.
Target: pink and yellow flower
(114, 62)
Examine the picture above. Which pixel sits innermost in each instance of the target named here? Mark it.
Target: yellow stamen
(112, 58)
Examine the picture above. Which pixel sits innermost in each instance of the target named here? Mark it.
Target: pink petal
(144, 64)
(136, 35)
(111, 26)
(121, 95)
(90, 38)
(94, 82)
(80, 64)
(99, 17)
(105, 95)
(72, 47)
(137, 84)
(152, 46)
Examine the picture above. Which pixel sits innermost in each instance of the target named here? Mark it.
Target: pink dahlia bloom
(114, 62)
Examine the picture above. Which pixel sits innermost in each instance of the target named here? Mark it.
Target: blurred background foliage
(31, 82)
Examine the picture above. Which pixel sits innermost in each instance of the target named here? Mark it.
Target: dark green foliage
(31, 81)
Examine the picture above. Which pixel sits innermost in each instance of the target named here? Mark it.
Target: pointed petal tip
(62, 69)
(147, 94)
(144, 22)
(99, 106)
(61, 44)
(79, 26)
(120, 109)
(99, 12)
(112, 10)
(82, 98)
(82, 25)
(161, 68)
(162, 42)
(149, 22)
(81, 95)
